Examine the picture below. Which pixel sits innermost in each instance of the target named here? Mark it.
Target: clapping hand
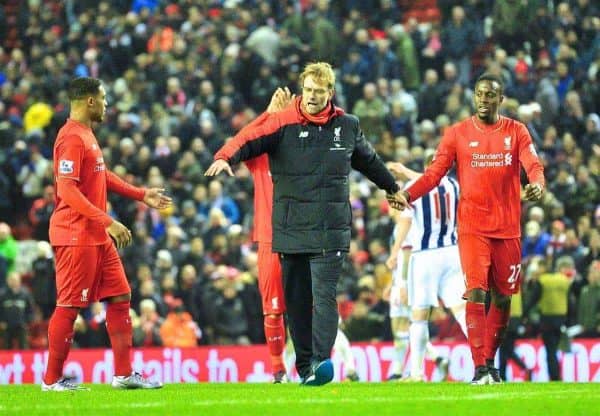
(280, 99)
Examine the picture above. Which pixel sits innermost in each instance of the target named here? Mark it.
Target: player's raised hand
(398, 200)
(156, 198)
(120, 234)
(280, 99)
(533, 191)
(217, 167)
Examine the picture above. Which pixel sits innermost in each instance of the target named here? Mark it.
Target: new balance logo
(473, 144)
(303, 134)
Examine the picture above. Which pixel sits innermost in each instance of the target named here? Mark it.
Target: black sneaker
(280, 377)
(352, 376)
(494, 375)
(481, 376)
(394, 377)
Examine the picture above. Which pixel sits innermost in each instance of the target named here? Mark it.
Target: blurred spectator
(16, 312)
(535, 241)
(43, 286)
(371, 110)
(588, 305)
(179, 329)
(147, 332)
(8, 251)
(230, 320)
(550, 292)
(40, 212)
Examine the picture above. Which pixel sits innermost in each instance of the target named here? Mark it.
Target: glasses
(316, 91)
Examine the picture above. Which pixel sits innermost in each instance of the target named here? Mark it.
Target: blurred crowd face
(315, 95)
(487, 98)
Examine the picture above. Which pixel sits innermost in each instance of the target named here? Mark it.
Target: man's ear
(90, 101)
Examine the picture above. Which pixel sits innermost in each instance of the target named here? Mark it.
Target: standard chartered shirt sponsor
(491, 160)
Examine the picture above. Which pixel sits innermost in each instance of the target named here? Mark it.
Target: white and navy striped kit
(434, 270)
(434, 217)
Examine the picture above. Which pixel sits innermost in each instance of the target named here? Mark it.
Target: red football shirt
(488, 161)
(82, 181)
(263, 184)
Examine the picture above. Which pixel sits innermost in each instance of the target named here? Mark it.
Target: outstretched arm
(400, 171)
(281, 99)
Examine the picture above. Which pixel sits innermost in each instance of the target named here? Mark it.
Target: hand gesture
(217, 167)
(155, 198)
(280, 99)
(533, 191)
(119, 234)
(398, 200)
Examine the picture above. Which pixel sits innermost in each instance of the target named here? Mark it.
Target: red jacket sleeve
(68, 191)
(529, 158)
(119, 186)
(445, 156)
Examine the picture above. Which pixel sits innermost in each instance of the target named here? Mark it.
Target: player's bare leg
(342, 346)
(400, 332)
(419, 337)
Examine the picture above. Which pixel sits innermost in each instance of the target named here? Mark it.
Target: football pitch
(290, 399)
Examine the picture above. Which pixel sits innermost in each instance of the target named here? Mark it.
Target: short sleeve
(69, 157)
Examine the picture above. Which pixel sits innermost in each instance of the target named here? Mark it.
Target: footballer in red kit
(489, 151)
(85, 240)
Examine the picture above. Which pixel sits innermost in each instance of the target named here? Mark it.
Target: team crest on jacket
(337, 139)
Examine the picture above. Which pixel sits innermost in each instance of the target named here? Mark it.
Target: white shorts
(433, 274)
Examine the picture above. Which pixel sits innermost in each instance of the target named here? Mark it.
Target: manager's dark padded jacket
(310, 164)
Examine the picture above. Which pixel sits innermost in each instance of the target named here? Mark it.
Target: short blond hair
(322, 72)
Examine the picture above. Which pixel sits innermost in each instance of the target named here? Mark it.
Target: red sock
(275, 334)
(476, 331)
(118, 325)
(60, 338)
(496, 321)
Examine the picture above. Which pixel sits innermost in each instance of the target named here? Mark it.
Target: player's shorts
(86, 274)
(270, 282)
(433, 275)
(491, 263)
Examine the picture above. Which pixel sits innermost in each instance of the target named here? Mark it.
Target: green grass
(290, 399)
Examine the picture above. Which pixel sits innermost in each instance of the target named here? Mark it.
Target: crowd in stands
(182, 76)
